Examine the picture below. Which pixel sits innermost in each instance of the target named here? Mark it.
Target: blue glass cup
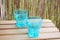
(21, 16)
(34, 25)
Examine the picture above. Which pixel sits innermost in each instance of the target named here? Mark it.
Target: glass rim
(35, 17)
(21, 9)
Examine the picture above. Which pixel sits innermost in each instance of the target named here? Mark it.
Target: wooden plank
(13, 21)
(25, 36)
(14, 26)
(7, 22)
(47, 20)
(44, 25)
(48, 24)
(22, 31)
(54, 39)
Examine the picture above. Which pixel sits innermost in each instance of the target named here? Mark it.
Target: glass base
(32, 36)
(33, 33)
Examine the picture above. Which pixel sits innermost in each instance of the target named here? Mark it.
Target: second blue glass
(34, 25)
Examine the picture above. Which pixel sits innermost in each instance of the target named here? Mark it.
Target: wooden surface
(8, 31)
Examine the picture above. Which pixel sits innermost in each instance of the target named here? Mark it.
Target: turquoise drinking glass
(34, 24)
(21, 16)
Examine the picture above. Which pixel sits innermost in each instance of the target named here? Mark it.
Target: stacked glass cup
(33, 23)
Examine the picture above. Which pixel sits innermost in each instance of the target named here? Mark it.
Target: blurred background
(47, 9)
